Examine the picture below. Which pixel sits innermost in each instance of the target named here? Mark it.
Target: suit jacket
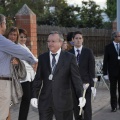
(57, 91)
(111, 64)
(86, 65)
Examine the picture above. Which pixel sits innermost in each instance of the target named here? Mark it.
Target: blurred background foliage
(60, 13)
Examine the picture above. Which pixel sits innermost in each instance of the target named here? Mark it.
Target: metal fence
(95, 39)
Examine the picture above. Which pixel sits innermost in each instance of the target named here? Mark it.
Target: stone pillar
(26, 19)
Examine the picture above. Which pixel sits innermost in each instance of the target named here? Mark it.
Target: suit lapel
(113, 47)
(48, 62)
(82, 53)
(60, 62)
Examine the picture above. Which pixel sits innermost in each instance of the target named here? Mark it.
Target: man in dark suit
(111, 69)
(56, 70)
(86, 65)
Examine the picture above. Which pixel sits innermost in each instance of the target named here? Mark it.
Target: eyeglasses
(52, 41)
(23, 37)
(3, 22)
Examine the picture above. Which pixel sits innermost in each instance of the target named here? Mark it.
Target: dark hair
(2, 17)
(23, 31)
(70, 36)
(114, 34)
(13, 29)
(77, 32)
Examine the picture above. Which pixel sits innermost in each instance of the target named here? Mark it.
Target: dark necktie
(117, 48)
(78, 55)
(53, 60)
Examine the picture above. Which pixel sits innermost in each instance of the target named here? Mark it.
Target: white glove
(93, 91)
(34, 102)
(82, 102)
(106, 77)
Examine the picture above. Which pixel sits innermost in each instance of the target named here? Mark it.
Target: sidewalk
(101, 100)
(106, 114)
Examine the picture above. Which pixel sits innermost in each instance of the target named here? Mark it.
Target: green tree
(107, 25)
(62, 14)
(10, 7)
(70, 17)
(111, 9)
(90, 15)
(52, 11)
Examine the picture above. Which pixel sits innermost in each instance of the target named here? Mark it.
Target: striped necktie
(53, 63)
(117, 48)
(78, 55)
(53, 60)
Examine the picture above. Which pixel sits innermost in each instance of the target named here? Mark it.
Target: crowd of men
(61, 75)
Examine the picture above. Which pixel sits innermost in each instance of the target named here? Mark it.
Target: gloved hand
(106, 77)
(34, 102)
(82, 102)
(93, 91)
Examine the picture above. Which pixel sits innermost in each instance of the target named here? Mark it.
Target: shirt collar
(57, 56)
(115, 43)
(58, 52)
(80, 48)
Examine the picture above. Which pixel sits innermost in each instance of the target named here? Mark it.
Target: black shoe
(114, 110)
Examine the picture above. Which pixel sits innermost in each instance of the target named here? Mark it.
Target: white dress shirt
(80, 49)
(116, 46)
(56, 57)
(29, 69)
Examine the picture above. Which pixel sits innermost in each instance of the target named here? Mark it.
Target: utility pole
(118, 15)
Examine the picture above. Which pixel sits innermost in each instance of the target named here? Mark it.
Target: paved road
(106, 114)
(102, 100)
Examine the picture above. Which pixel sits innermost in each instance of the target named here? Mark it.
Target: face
(117, 38)
(64, 46)
(78, 40)
(22, 38)
(13, 36)
(54, 43)
(3, 26)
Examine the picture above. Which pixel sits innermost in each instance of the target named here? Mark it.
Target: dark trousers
(25, 102)
(87, 109)
(114, 81)
(48, 114)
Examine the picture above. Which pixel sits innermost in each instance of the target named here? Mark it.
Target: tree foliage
(90, 15)
(111, 9)
(70, 16)
(11, 7)
(57, 12)
(52, 10)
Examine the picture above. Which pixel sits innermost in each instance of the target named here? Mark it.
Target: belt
(5, 78)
